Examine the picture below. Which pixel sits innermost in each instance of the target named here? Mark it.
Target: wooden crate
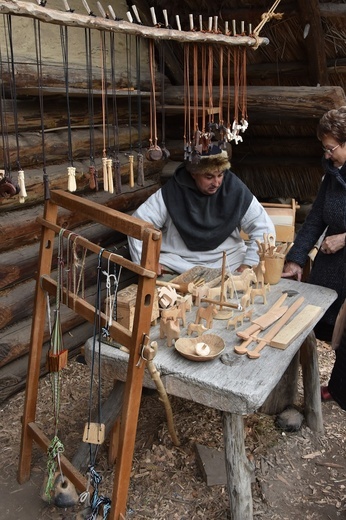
(126, 302)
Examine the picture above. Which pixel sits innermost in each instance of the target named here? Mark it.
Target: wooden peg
(153, 15)
(135, 10)
(132, 178)
(215, 24)
(165, 16)
(177, 18)
(234, 28)
(192, 28)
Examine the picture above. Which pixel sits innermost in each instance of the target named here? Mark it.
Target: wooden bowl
(186, 347)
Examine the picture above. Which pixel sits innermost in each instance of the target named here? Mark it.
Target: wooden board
(292, 330)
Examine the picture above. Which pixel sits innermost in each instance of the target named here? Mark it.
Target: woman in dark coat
(327, 215)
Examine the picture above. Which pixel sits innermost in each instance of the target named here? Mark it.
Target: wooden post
(35, 352)
(311, 379)
(238, 468)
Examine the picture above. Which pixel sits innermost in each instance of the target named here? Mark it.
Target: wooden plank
(212, 465)
(295, 327)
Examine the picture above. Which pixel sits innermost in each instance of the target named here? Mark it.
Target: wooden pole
(32, 10)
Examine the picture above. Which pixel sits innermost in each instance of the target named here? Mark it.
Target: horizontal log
(20, 8)
(272, 103)
(56, 109)
(20, 264)
(17, 302)
(25, 230)
(58, 178)
(55, 145)
(13, 375)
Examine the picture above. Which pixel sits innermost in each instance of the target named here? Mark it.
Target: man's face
(208, 183)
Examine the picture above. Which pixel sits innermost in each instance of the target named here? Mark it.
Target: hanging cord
(243, 92)
(154, 152)
(129, 97)
(56, 447)
(38, 48)
(187, 104)
(7, 187)
(117, 172)
(71, 170)
(196, 130)
(93, 176)
(165, 152)
(221, 121)
(97, 500)
(140, 158)
(210, 84)
(21, 179)
(104, 122)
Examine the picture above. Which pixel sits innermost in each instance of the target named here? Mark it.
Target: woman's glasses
(329, 151)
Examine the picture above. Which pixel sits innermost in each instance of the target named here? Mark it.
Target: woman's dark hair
(333, 123)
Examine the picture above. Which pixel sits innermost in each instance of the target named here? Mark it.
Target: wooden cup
(273, 269)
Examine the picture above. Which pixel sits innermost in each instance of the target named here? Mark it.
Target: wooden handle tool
(262, 322)
(254, 354)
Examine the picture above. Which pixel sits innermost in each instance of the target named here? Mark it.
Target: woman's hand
(333, 243)
(292, 270)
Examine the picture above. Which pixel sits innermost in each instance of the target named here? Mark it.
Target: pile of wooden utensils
(267, 248)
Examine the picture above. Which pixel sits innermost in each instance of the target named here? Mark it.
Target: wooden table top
(240, 387)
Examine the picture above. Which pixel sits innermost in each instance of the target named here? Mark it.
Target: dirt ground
(297, 476)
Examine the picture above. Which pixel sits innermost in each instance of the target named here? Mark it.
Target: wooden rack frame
(134, 340)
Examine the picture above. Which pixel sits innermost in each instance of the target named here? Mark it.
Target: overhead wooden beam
(53, 16)
(316, 56)
(272, 103)
(333, 10)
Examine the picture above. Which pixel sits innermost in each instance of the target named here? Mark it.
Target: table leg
(311, 380)
(238, 468)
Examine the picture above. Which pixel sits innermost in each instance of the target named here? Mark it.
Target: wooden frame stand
(134, 339)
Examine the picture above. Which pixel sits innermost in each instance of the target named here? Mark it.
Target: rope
(54, 451)
(266, 17)
(38, 48)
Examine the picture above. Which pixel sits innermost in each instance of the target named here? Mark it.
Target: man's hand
(241, 268)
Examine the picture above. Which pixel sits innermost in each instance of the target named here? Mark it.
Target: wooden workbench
(240, 387)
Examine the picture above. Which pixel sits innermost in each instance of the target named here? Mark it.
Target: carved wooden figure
(170, 329)
(260, 292)
(236, 320)
(185, 301)
(175, 313)
(245, 299)
(215, 293)
(207, 314)
(199, 293)
(198, 328)
(241, 282)
(259, 270)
